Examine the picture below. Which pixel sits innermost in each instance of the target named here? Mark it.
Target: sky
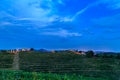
(60, 24)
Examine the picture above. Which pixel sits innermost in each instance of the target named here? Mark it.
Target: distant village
(89, 53)
(15, 51)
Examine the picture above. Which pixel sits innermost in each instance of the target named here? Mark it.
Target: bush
(90, 53)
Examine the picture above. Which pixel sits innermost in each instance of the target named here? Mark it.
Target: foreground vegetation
(20, 75)
(55, 65)
(68, 63)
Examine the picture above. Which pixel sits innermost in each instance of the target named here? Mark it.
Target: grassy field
(56, 65)
(6, 60)
(69, 63)
(19, 75)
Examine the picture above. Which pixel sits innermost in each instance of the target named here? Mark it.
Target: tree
(4, 51)
(90, 53)
(31, 49)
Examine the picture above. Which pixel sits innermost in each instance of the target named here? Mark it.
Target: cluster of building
(14, 51)
(78, 52)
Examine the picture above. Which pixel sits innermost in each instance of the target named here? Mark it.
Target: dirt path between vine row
(16, 62)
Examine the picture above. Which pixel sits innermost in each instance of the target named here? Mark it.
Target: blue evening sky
(60, 24)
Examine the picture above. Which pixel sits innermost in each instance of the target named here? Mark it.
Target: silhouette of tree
(31, 49)
(4, 51)
(90, 53)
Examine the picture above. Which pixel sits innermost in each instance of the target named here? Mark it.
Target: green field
(68, 63)
(20, 75)
(59, 66)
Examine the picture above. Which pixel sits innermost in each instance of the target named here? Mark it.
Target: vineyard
(59, 66)
(69, 63)
(6, 60)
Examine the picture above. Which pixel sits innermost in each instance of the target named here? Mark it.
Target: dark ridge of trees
(89, 53)
(4, 51)
(32, 49)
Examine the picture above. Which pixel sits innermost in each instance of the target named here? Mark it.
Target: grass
(20, 75)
